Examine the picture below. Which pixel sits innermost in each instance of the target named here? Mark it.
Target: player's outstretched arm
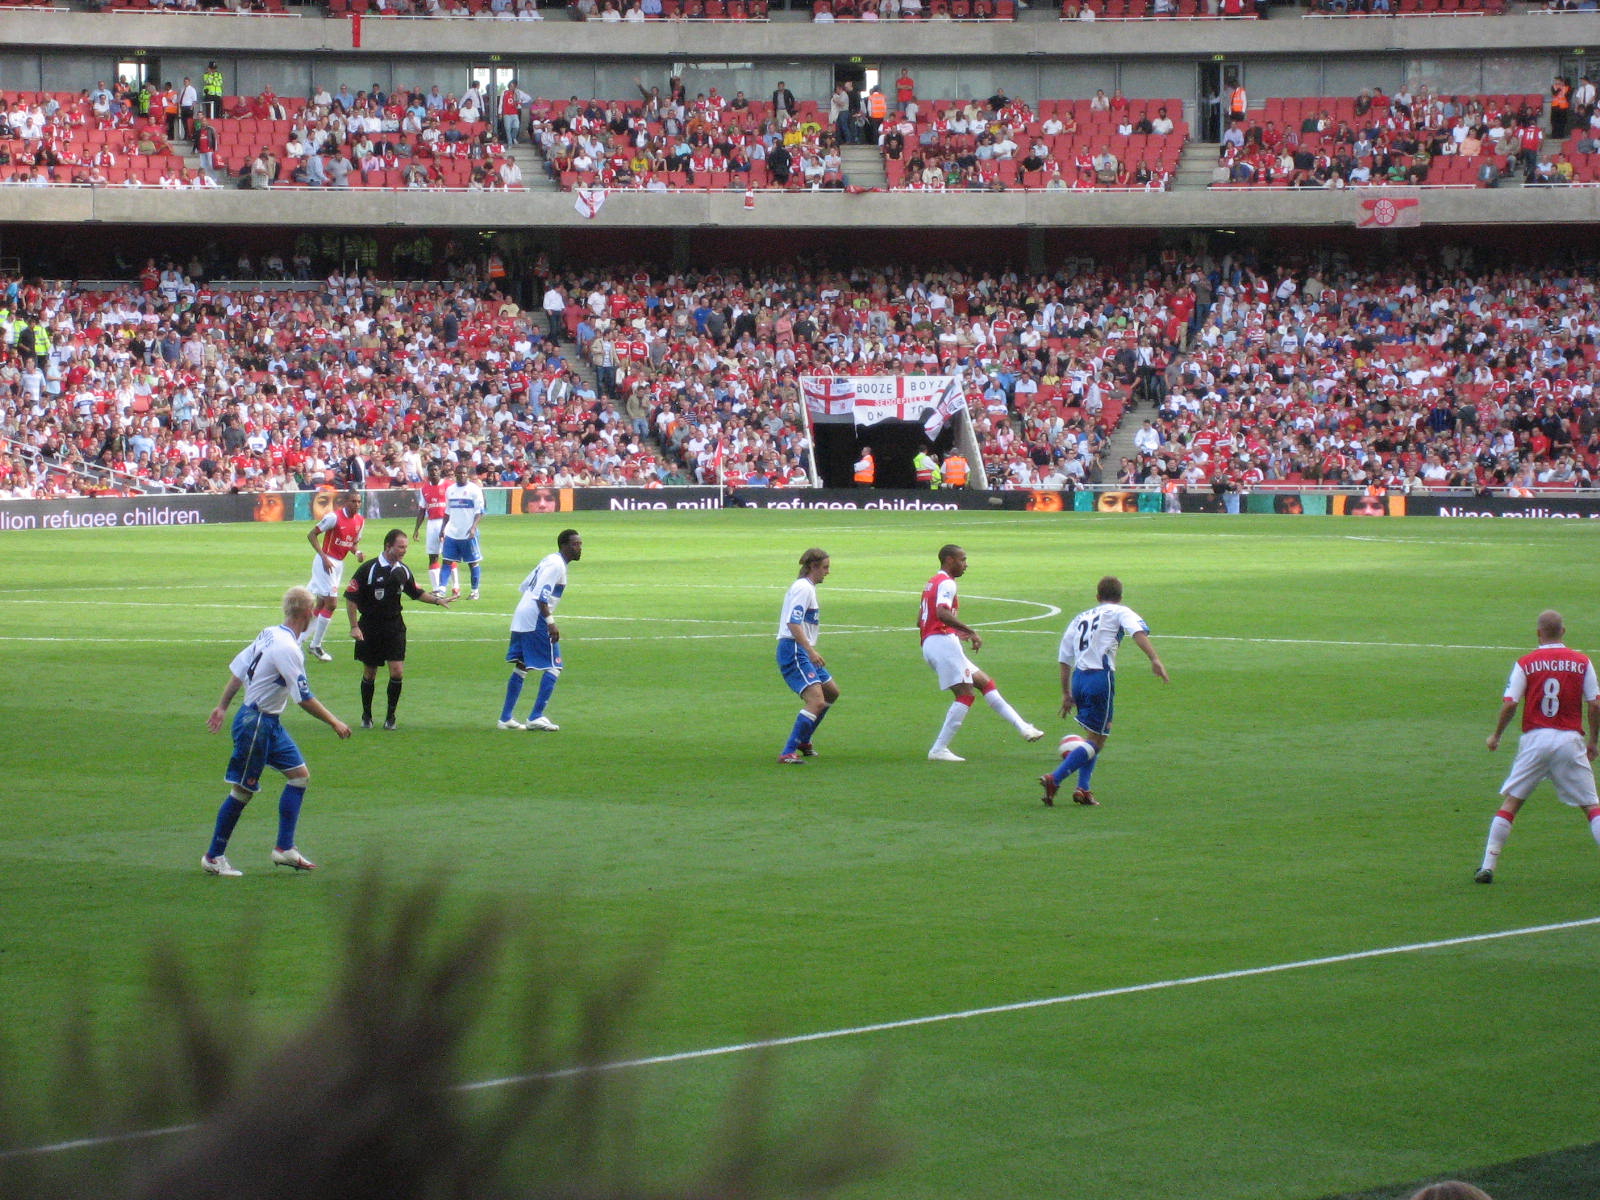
(229, 691)
(1142, 640)
(1066, 689)
(316, 709)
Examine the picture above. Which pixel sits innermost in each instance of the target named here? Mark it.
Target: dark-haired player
(942, 634)
(377, 623)
(535, 638)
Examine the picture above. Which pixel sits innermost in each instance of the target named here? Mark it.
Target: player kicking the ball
(942, 634)
(1088, 658)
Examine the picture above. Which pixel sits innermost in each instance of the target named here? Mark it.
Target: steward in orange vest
(866, 469)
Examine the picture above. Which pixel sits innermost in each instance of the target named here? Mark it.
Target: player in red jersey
(1556, 687)
(942, 634)
(431, 508)
(334, 538)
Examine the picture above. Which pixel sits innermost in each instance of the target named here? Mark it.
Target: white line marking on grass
(827, 1035)
(1132, 989)
(1266, 641)
(89, 1143)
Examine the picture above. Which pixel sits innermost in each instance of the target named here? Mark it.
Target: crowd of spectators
(1001, 142)
(1436, 375)
(1425, 375)
(96, 136)
(1147, 10)
(668, 140)
(414, 137)
(1413, 137)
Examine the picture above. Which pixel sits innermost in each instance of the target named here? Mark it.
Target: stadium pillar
(1036, 258)
(682, 251)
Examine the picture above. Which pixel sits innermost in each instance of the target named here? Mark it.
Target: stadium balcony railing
(77, 476)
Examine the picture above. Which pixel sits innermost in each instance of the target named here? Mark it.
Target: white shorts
(435, 536)
(323, 581)
(942, 652)
(1556, 755)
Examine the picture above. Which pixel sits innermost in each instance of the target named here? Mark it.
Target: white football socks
(956, 714)
(996, 701)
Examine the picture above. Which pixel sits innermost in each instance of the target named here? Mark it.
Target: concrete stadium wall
(788, 41)
(777, 211)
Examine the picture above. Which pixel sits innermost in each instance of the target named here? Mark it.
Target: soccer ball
(1071, 742)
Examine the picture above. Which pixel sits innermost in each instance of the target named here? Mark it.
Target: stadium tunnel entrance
(894, 445)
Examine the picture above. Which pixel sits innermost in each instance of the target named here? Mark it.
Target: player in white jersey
(802, 666)
(535, 639)
(271, 671)
(1088, 662)
(464, 507)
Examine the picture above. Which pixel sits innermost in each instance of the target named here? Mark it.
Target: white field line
(833, 631)
(853, 1031)
(746, 629)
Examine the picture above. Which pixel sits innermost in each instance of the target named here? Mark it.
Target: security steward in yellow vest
(211, 90)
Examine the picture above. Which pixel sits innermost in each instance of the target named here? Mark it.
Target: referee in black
(376, 622)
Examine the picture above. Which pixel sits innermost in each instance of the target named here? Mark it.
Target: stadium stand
(1374, 139)
(1057, 360)
(1403, 379)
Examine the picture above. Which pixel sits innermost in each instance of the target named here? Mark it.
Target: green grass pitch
(1312, 784)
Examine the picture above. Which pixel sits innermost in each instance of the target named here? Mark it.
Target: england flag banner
(868, 399)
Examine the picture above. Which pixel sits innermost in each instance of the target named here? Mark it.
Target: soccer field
(1259, 969)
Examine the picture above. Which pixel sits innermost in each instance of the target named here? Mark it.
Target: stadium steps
(534, 178)
(1195, 165)
(863, 166)
(1120, 444)
(581, 366)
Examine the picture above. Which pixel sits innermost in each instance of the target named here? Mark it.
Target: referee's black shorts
(381, 642)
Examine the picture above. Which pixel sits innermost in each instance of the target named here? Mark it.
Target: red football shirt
(928, 622)
(1553, 682)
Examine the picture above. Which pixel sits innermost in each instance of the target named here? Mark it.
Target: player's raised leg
(993, 698)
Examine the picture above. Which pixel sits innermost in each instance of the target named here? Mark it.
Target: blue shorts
(460, 550)
(1093, 697)
(259, 741)
(535, 651)
(799, 672)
